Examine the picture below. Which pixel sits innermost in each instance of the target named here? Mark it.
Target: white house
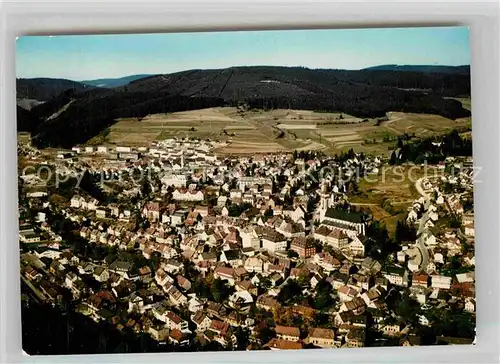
(176, 180)
(442, 282)
(470, 305)
(187, 195)
(396, 276)
(249, 238)
(274, 242)
(469, 229)
(422, 320)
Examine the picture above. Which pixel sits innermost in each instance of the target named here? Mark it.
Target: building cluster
(256, 224)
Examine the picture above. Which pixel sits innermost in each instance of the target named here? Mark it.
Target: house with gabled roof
(101, 274)
(289, 333)
(356, 305)
(303, 247)
(323, 338)
(396, 275)
(281, 344)
(201, 320)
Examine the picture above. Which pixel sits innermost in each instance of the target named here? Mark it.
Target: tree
(400, 143)
(379, 245)
(322, 319)
(112, 255)
(404, 232)
(393, 160)
(323, 298)
(292, 254)
(291, 292)
(242, 337)
(202, 289)
(265, 334)
(455, 221)
(352, 187)
(265, 283)
(220, 291)
(407, 310)
(145, 188)
(447, 187)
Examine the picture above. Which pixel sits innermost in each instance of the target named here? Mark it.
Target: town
(202, 251)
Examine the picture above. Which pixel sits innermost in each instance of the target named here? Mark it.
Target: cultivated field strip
(258, 131)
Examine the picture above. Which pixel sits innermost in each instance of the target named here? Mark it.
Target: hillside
(45, 89)
(238, 83)
(460, 70)
(26, 121)
(363, 94)
(114, 82)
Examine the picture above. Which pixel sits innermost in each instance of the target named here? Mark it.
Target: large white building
(176, 180)
(245, 182)
(181, 194)
(438, 281)
(273, 241)
(345, 220)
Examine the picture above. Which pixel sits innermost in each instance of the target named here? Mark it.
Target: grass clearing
(393, 185)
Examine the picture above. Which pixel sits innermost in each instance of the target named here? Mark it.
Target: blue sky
(81, 57)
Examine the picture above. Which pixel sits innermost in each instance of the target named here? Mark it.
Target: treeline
(365, 94)
(432, 149)
(26, 121)
(45, 89)
(364, 103)
(85, 118)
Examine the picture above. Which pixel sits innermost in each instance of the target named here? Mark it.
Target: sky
(86, 57)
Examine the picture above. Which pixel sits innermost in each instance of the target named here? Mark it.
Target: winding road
(420, 189)
(421, 243)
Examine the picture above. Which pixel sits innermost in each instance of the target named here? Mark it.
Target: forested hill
(45, 89)
(114, 82)
(364, 93)
(460, 70)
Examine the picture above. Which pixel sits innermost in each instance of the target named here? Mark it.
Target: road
(421, 244)
(420, 189)
(424, 252)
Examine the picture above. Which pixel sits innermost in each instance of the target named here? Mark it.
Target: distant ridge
(461, 70)
(115, 82)
(80, 115)
(44, 89)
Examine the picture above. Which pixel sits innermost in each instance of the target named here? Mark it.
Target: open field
(259, 131)
(398, 182)
(23, 137)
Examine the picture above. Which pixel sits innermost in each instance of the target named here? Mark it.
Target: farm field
(398, 182)
(258, 131)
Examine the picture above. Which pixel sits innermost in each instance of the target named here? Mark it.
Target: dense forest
(78, 113)
(422, 68)
(364, 103)
(83, 120)
(432, 149)
(45, 89)
(115, 82)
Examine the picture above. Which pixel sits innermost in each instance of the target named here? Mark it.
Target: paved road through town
(421, 243)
